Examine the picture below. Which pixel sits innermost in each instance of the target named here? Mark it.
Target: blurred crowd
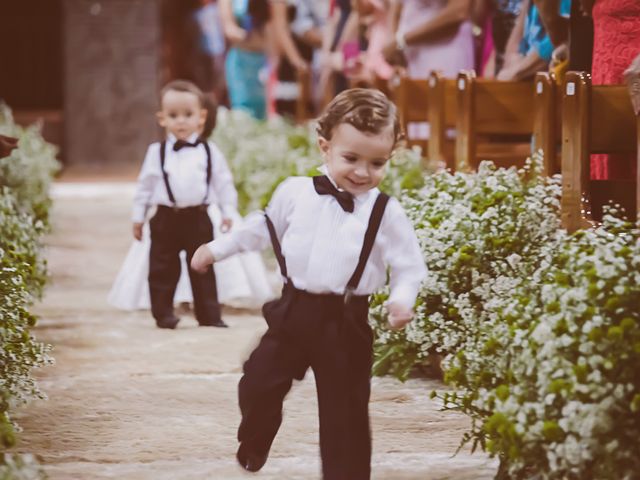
(257, 51)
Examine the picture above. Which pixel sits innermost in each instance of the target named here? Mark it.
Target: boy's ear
(161, 120)
(323, 144)
(203, 117)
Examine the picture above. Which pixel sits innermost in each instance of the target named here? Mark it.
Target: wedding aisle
(130, 401)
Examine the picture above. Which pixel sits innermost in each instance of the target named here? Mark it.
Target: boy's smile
(181, 114)
(356, 160)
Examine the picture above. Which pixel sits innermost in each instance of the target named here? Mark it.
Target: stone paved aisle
(129, 401)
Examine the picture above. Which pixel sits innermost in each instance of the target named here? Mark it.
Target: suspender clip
(348, 293)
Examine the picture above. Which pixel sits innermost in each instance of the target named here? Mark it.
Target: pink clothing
(449, 53)
(379, 35)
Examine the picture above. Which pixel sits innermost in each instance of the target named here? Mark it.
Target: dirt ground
(130, 401)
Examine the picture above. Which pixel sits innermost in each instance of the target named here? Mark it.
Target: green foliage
(29, 168)
(24, 206)
(541, 330)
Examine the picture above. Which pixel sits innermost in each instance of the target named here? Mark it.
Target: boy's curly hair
(366, 109)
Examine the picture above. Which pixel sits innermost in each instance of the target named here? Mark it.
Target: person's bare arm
(231, 29)
(283, 35)
(511, 49)
(524, 67)
(556, 26)
(453, 13)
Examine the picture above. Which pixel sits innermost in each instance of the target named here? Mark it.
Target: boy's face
(181, 114)
(357, 160)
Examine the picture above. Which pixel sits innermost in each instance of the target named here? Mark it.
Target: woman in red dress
(616, 42)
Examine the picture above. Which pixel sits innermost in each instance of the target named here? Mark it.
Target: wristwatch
(401, 43)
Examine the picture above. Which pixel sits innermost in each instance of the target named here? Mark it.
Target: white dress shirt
(187, 173)
(321, 243)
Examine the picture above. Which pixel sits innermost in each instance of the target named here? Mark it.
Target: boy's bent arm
(403, 255)
(149, 174)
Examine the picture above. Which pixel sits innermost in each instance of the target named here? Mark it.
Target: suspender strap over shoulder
(165, 176)
(369, 238)
(208, 150)
(276, 247)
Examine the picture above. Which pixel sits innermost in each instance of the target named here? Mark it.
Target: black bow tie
(182, 143)
(324, 186)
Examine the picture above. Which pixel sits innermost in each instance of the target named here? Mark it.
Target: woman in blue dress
(245, 25)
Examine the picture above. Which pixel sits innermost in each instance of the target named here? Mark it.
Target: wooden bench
(547, 124)
(412, 102)
(595, 119)
(494, 121)
(441, 114)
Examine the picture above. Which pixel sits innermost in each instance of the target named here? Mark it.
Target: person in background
(298, 28)
(181, 176)
(431, 35)
(616, 34)
(246, 25)
(530, 47)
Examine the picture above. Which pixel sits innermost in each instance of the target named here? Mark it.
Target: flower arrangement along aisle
(25, 175)
(540, 330)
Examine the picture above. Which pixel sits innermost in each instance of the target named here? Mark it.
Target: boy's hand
(201, 259)
(399, 315)
(137, 231)
(226, 225)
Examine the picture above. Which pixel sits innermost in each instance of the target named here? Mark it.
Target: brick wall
(111, 50)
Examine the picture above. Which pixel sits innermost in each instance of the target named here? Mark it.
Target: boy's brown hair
(183, 86)
(366, 109)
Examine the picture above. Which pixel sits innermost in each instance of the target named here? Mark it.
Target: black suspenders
(369, 237)
(165, 176)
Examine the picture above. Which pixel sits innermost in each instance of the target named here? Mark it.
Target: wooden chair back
(494, 121)
(442, 118)
(595, 119)
(412, 101)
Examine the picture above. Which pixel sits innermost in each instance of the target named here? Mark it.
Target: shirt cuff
(404, 295)
(222, 247)
(139, 213)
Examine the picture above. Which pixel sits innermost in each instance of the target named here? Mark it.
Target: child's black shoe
(168, 322)
(219, 324)
(250, 461)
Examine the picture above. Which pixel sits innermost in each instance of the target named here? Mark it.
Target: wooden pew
(595, 119)
(441, 113)
(494, 121)
(547, 131)
(411, 100)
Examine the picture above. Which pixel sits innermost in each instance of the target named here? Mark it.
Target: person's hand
(507, 74)
(399, 315)
(560, 54)
(226, 225)
(390, 52)
(7, 144)
(201, 259)
(137, 230)
(301, 66)
(632, 77)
